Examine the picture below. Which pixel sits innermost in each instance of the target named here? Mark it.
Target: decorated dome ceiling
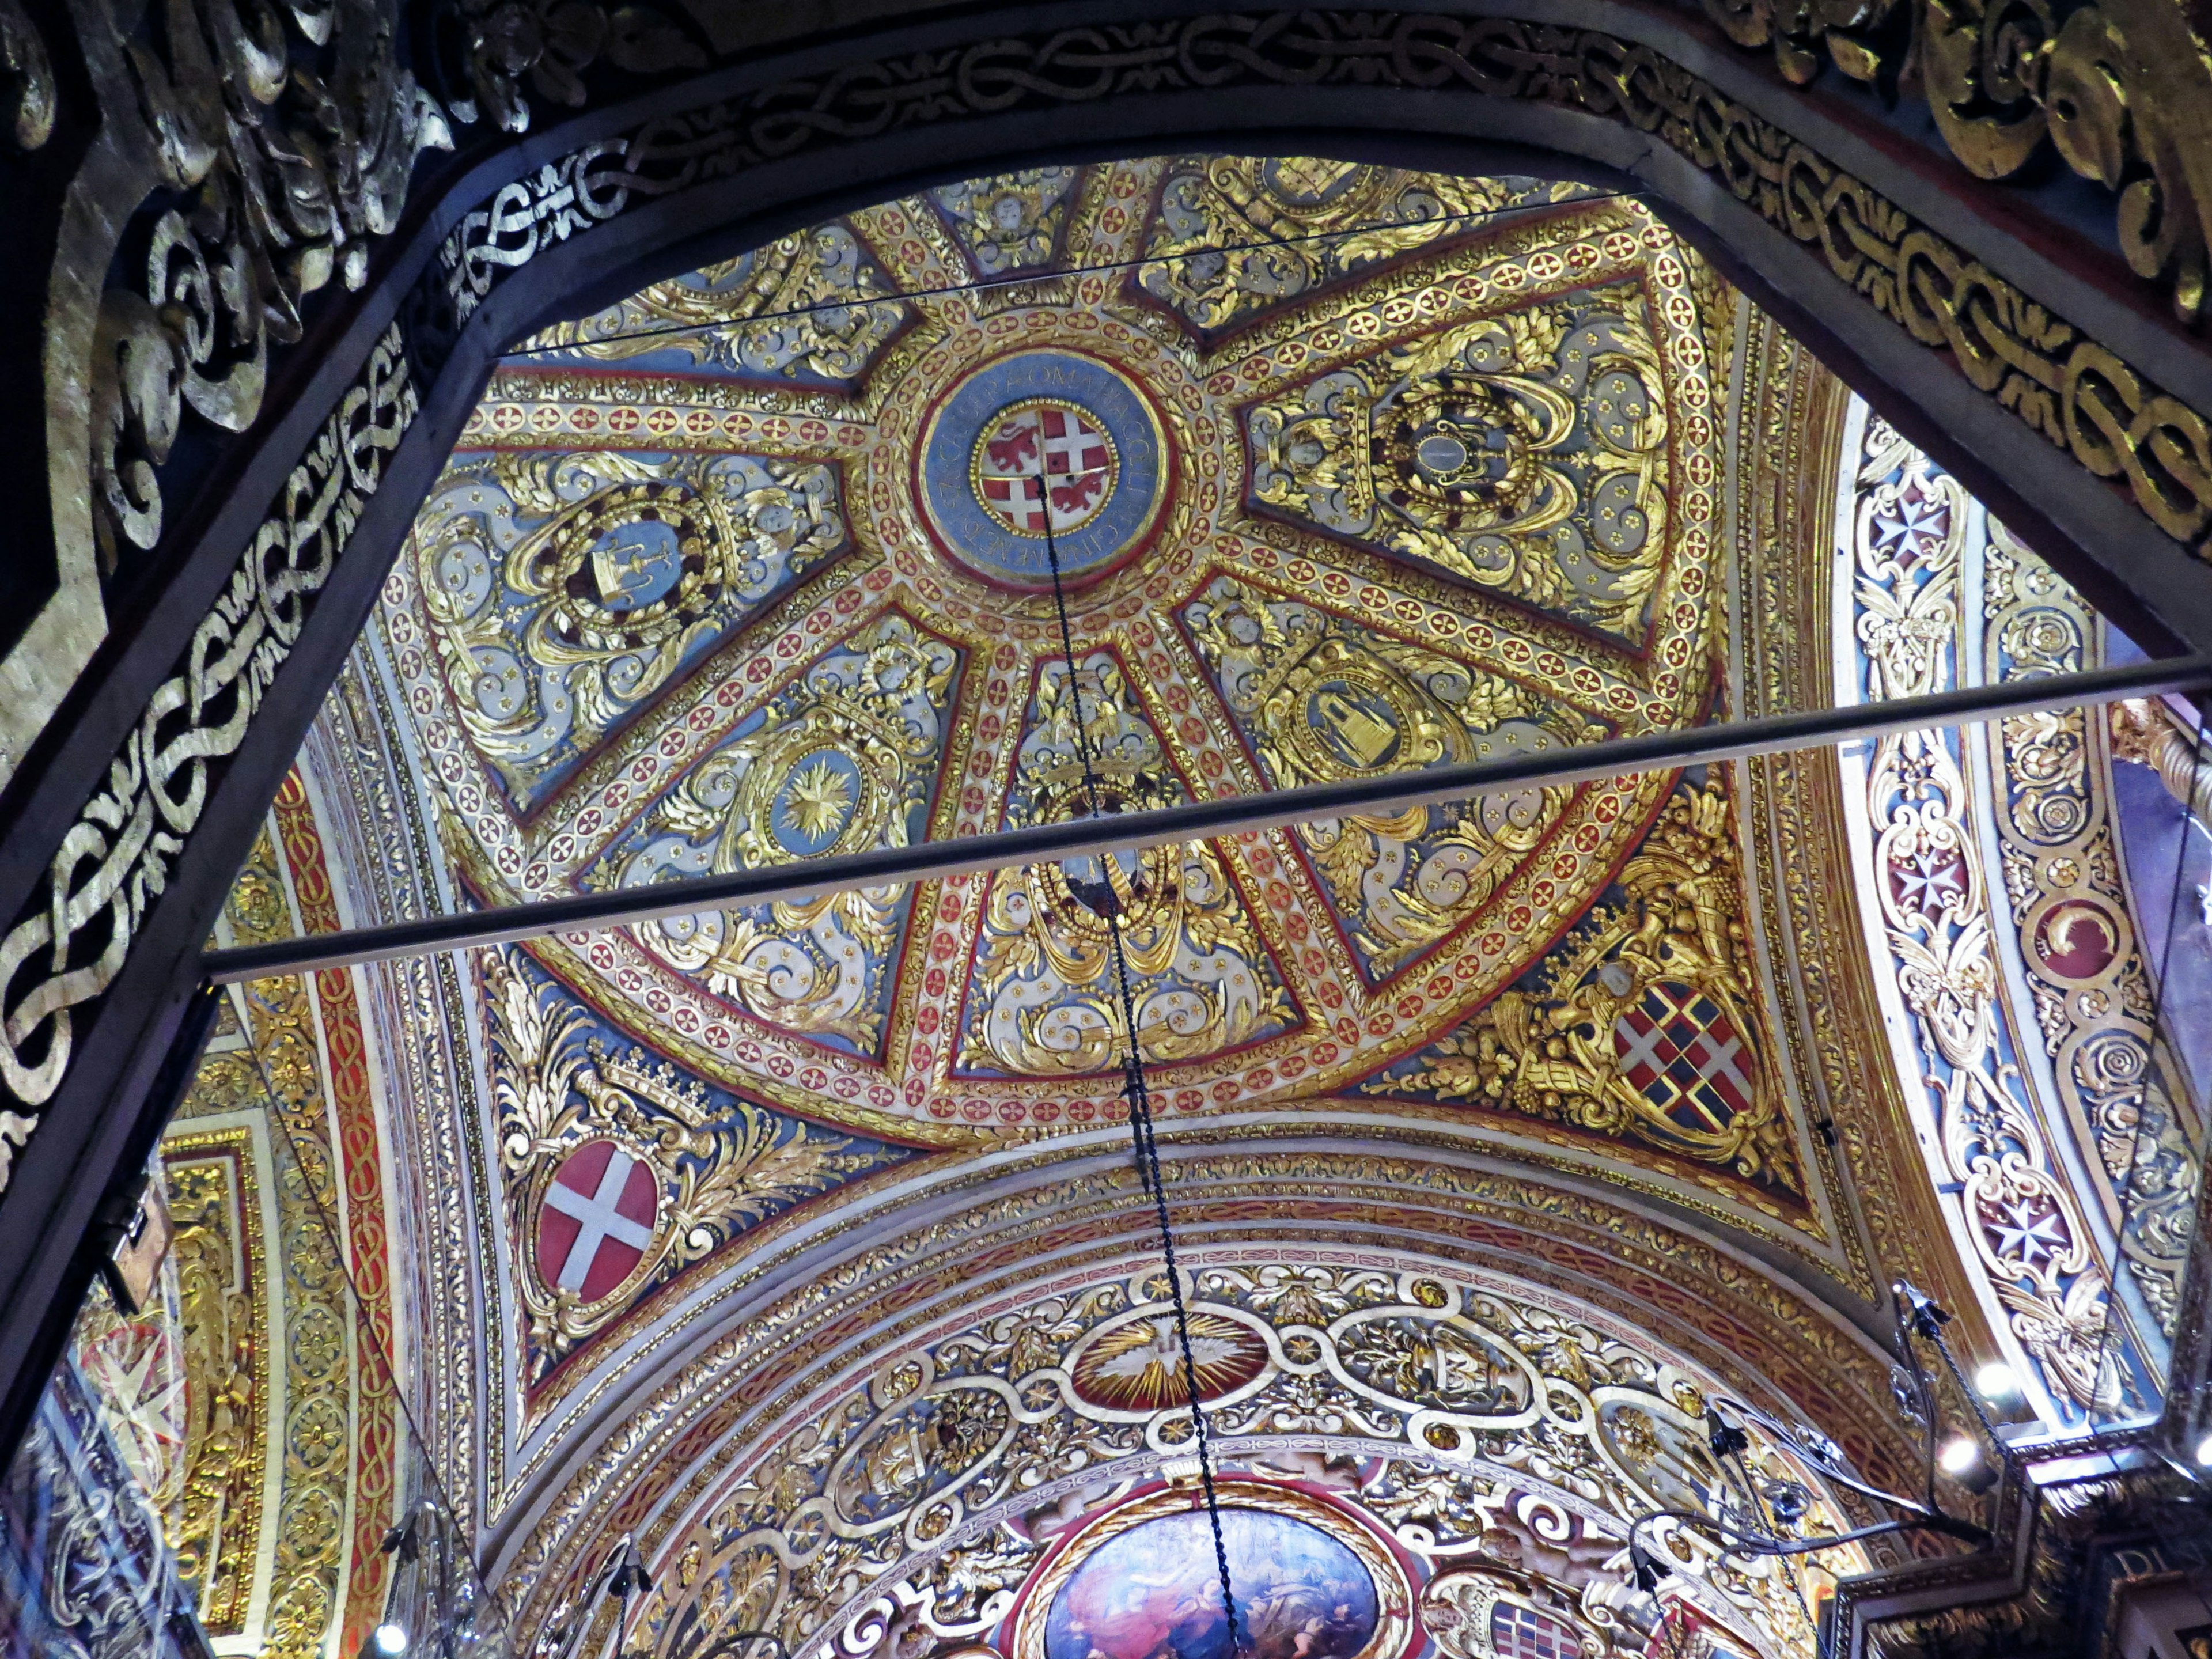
(1499, 1134)
(752, 568)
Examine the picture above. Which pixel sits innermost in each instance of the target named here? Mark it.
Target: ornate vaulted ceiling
(1424, 471)
(1354, 471)
(1351, 471)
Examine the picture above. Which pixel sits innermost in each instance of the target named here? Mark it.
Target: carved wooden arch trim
(121, 839)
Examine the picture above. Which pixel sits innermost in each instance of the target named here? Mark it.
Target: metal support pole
(1235, 815)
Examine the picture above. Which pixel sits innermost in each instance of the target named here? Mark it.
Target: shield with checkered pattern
(1680, 1051)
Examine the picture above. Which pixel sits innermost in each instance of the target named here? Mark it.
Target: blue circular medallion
(1037, 452)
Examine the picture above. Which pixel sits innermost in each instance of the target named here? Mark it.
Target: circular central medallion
(1037, 454)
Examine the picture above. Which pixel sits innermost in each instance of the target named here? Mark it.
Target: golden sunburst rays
(1137, 1367)
(819, 799)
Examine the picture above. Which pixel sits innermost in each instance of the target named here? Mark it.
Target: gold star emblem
(820, 797)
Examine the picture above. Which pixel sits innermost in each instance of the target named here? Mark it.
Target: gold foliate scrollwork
(2108, 415)
(985, 1424)
(288, 143)
(2115, 1076)
(720, 1166)
(1526, 453)
(2118, 88)
(1045, 999)
(812, 307)
(1324, 699)
(840, 762)
(1646, 1025)
(1932, 885)
(1010, 222)
(67, 949)
(1234, 235)
(563, 592)
(216, 1523)
(330, 1440)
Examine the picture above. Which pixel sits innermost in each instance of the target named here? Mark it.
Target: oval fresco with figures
(705, 588)
(1154, 1593)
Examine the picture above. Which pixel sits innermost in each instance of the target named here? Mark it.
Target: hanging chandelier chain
(1142, 1131)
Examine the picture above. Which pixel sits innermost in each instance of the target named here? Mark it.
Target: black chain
(1133, 1089)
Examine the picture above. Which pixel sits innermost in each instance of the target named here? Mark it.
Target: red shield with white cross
(1682, 1052)
(596, 1222)
(1044, 458)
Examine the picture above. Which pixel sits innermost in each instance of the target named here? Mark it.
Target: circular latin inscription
(1042, 454)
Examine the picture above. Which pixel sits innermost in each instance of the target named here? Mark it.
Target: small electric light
(390, 1640)
(1961, 1457)
(1997, 1381)
(1958, 1455)
(2204, 1452)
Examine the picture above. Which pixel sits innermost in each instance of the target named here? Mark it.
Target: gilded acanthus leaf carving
(1646, 1024)
(2103, 84)
(215, 1525)
(289, 142)
(841, 761)
(1045, 997)
(716, 1164)
(1525, 453)
(1234, 235)
(813, 308)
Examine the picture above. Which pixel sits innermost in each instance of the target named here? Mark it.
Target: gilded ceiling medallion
(1046, 439)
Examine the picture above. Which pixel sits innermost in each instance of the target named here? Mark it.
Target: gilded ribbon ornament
(68, 946)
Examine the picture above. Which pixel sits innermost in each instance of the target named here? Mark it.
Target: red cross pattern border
(1679, 1050)
(597, 1220)
(1044, 450)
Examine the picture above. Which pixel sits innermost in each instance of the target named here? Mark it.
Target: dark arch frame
(795, 144)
